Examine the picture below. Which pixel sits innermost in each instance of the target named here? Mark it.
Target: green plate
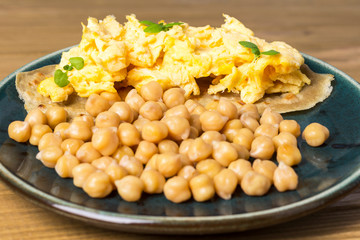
(326, 173)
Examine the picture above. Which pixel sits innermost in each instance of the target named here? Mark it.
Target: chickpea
(255, 184)
(55, 115)
(262, 147)
(249, 122)
(61, 129)
(36, 116)
(79, 130)
(145, 151)
(185, 160)
(244, 137)
(194, 133)
(105, 140)
(242, 151)
(184, 146)
(151, 110)
(265, 167)
(130, 188)
(132, 165)
(152, 163)
(50, 155)
(121, 152)
(195, 122)
(178, 111)
(188, 172)
(134, 100)
(153, 181)
(128, 134)
(225, 183)
(168, 146)
(98, 185)
(250, 110)
(284, 138)
(240, 167)
(151, 91)
(285, 178)
(84, 119)
(168, 164)
(19, 131)
(71, 145)
(140, 122)
(209, 167)
(212, 105)
(271, 117)
(65, 165)
(179, 128)
(288, 154)
(154, 131)
(163, 106)
(49, 139)
(87, 153)
(212, 121)
(266, 129)
(210, 137)
(191, 105)
(199, 150)
(202, 187)
(107, 119)
(115, 172)
(290, 126)
(315, 134)
(111, 97)
(37, 131)
(81, 173)
(103, 162)
(124, 111)
(224, 153)
(173, 97)
(227, 108)
(231, 128)
(96, 104)
(199, 110)
(176, 189)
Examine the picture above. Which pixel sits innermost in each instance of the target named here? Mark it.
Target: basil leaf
(170, 25)
(61, 78)
(68, 67)
(155, 28)
(270, 52)
(77, 62)
(147, 23)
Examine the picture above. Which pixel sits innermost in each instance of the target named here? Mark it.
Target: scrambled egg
(113, 52)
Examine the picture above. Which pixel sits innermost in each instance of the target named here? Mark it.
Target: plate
(326, 173)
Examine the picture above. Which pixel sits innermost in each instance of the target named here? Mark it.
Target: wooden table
(327, 29)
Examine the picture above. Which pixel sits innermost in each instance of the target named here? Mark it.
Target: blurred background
(326, 29)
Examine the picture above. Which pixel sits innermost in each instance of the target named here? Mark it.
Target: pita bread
(319, 89)
(26, 84)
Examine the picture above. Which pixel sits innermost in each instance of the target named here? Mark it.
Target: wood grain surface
(327, 29)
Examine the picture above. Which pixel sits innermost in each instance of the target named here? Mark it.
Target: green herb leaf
(77, 62)
(147, 23)
(270, 52)
(254, 49)
(170, 25)
(158, 27)
(61, 78)
(155, 28)
(68, 67)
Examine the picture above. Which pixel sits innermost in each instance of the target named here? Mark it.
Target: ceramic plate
(326, 173)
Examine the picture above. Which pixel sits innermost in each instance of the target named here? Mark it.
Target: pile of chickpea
(159, 142)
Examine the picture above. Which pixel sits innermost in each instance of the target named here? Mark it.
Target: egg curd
(178, 57)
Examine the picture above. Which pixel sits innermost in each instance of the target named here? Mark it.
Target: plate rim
(91, 215)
